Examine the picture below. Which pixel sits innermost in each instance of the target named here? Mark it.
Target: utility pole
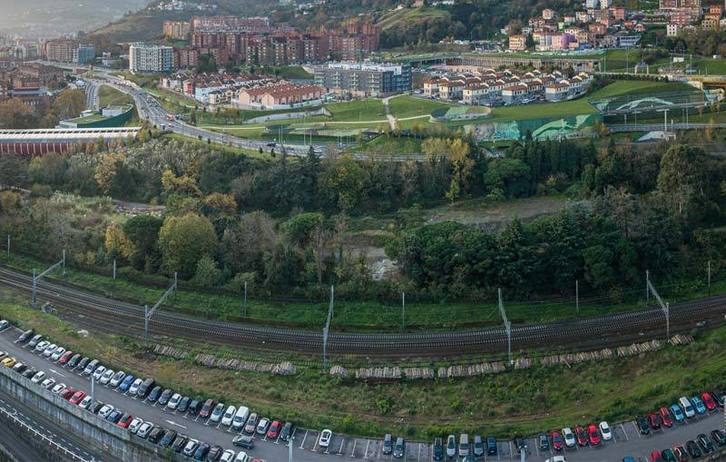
(665, 307)
(577, 296)
(53, 267)
(244, 303)
(148, 313)
(114, 269)
(709, 278)
(647, 284)
(93, 388)
(403, 311)
(289, 449)
(8, 246)
(507, 327)
(326, 329)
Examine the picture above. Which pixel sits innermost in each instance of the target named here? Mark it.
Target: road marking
(637, 432)
(352, 451)
(365, 455)
(56, 372)
(340, 450)
(303, 440)
(171, 422)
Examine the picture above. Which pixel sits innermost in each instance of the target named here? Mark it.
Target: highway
(92, 101)
(627, 440)
(150, 110)
(587, 333)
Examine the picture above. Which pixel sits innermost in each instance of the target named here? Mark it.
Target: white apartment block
(145, 57)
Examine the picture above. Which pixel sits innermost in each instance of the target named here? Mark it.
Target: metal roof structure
(66, 134)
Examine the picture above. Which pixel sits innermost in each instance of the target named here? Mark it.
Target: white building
(592, 4)
(146, 57)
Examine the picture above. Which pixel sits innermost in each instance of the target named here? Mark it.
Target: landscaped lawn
(407, 106)
(542, 110)
(109, 96)
(626, 87)
(359, 110)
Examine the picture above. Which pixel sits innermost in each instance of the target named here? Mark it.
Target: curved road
(594, 332)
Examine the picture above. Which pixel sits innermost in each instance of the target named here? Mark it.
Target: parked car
(719, 437)
(41, 346)
(326, 437)
(49, 350)
(686, 406)
(38, 377)
(593, 435)
(698, 405)
(708, 401)
(126, 383)
(56, 355)
(95, 407)
(134, 387)
(605, 431)
(262, 426)
(85, 402)
(125, 421)
(668, 456)
(77, 397)
(479, 446)
(68, 393)
(693, 450)
(106, 376)
(207, 408)
(105, 411)
(145, 429)
(194, 407)
(654, 421)
(25, 336)
(677, 413)
(73, 362)
(135, 424)
(190, 448)
(165, 397)
(273, 432)
(581, 435)
(90, 367)
(287, 431)
(451, 446)
(680, 453)
(82, 363)
(174, 401)
(705, 443)
(65, 357)
(387, 444)
(34, 341)
(179, 443)
(244, 441)
(399, 449)
(201, 452)
(438, 451)
(98, 373)
(145, 388)
(117, 378)
(217, 413)
(183, 406)
(167, 439)
(115, 416)
(154, 394)
(655, 456)
(643, 427)
(155, 435)
(569, 436)
(227, 456)
(214, 453)
(557, 441)
(251, 424)
(463, 445)
(48, 383)
(665, 417)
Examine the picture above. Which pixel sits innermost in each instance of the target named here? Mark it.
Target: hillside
(56, 17)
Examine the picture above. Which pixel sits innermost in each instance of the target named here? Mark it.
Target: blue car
(677, 413)
(628, 459)
(698, 404)
(124, 386)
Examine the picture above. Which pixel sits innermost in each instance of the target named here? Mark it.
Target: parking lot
(627, 440)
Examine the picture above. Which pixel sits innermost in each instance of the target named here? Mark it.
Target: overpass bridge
(42, 141)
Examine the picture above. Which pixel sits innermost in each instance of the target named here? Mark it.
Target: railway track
(100, 313)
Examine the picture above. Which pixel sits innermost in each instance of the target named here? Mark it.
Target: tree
(345, 181)
(69, 104)
(682, 182)
(207, 274)
(184, 241)
(117, 243)
(15, 114)
(143, 232)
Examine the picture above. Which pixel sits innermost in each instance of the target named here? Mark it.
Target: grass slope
(109, 96)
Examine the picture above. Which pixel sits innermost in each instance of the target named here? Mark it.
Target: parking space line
(340, 449)
(418, 457)
(365, 454)
(303, 440)
(637, 432)
(352, 451)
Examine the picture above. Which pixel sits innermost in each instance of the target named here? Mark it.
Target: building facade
(364, 79)
(149, 58)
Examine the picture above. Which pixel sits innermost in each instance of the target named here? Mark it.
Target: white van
(687, 406)
(240, 418)
(228, 416)
(463, 445)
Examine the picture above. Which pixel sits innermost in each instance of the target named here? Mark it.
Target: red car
(77, 397)
(655, 457)
(708, 401)
(125, 421)
(274, 430)
(65, 357)
(581, 435)
(680, 453)
(557, 442)
(68, 393)
(594, 434)
(654, 421)
(665, 415)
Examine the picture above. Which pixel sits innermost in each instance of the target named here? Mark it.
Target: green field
(109, 96)
(632, 87)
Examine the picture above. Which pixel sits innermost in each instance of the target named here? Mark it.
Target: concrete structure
(107, 437)
(84, 54)
(177, 30)
(150, 58)
(108, 117)
(60, 50)
(364, 79)
(42, 141)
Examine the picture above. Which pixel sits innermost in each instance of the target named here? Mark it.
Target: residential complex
(491, 87)
(364, 79)
(149, 58)
(69, 51)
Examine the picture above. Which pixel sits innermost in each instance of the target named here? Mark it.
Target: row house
(279, 94)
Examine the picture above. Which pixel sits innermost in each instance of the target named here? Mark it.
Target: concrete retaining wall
(103, 435)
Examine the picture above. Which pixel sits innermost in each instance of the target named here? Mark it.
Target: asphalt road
(627, 440)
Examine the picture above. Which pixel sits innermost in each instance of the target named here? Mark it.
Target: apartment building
(364, 79)
(150, 58)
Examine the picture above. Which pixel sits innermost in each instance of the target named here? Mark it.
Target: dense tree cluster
(281, 223)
